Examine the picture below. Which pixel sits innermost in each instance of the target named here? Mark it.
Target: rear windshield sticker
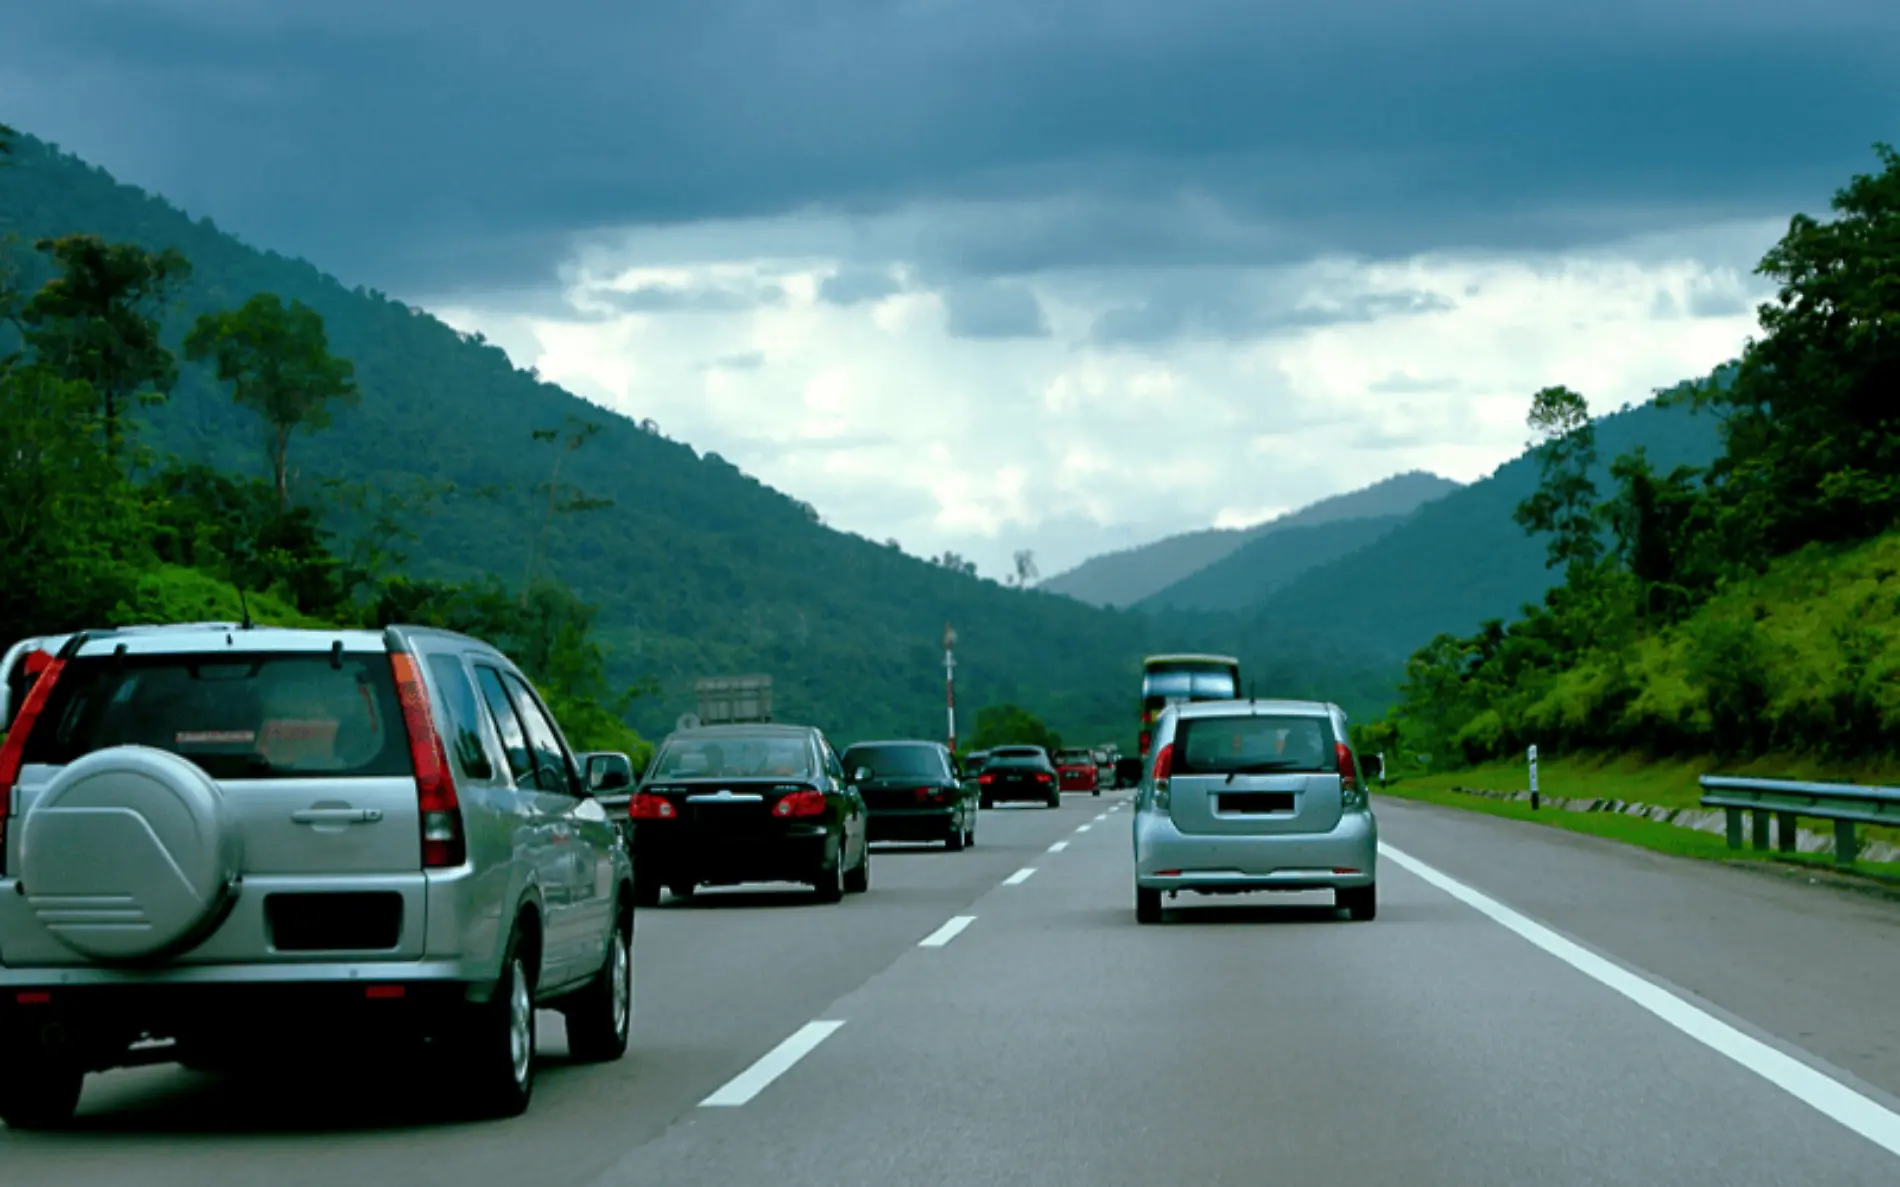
(215, 737)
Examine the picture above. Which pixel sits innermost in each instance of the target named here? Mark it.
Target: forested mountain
(1138, 574)
(697, 568)
(1462, 559)
(1245, 577)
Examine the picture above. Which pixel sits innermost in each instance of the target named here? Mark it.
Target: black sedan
(727, 804)
(913, 791)
(1019, 773)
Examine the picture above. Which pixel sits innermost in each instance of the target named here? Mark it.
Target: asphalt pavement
(1531, 1007)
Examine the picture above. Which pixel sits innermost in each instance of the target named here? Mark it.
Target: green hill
(1460, 559)
(1743, 609)
(1142, 574)
(698, 568)
(1243, 578)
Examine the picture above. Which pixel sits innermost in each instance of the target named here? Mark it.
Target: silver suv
(1254, 795)
(225, 841)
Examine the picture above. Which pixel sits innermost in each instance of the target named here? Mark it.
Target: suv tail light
(647, 806)
(1146, 738)
(800, 805)
(14, 750)
(444, 844)
(1164, 767)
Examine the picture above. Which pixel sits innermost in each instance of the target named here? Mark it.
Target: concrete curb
(1703, 820)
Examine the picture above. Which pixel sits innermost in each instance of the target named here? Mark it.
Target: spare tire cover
(128, 853)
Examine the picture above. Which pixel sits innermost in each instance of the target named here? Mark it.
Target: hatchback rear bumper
(1238, 863)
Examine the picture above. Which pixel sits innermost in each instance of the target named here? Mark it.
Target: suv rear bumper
(1237, 863)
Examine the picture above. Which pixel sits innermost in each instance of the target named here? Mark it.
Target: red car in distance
(1076, 771)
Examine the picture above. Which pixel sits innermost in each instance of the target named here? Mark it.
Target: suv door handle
(337, 815)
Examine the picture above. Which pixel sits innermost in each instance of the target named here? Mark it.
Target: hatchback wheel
(1147, 905)
(1361, 903)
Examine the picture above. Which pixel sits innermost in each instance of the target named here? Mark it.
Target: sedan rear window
(884, 762)
(1258, 744)
(734, 758)
(238, 716)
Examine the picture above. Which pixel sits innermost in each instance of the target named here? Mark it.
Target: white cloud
(853, 386)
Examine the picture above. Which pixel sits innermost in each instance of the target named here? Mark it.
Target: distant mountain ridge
(1245, 577)
(1135, 575)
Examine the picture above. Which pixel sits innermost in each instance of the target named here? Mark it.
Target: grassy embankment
(1667, 783)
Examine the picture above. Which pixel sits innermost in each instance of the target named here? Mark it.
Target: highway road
(1531, 1007)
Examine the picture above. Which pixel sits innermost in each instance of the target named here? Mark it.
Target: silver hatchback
(1251, 795)
(223, 842)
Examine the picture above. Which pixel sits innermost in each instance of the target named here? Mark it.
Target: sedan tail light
(800, 805)
(647, 806)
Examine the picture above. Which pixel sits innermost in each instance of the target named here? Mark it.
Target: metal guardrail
(1844, 803)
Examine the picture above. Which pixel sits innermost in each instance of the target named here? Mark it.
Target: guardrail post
(1734, 817)
(1845, 848)
(1758, 828)
(1787, 831)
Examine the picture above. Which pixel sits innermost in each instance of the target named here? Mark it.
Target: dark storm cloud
(996, 309)
(854, 286)
(429, 144)
(1239, 310)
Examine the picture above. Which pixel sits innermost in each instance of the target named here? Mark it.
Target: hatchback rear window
(903, 762)
(734, 758)
(1249, 745)
(238, 716)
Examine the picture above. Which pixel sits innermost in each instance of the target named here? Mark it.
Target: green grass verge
(1629, 830)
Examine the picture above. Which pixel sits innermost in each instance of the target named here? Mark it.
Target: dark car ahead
(1019, 773)
(913, 791)
(727, 804)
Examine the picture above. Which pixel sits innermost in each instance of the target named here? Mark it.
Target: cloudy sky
(1001, 274)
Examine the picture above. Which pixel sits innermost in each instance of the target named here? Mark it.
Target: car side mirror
(609, 771)
(860, 774)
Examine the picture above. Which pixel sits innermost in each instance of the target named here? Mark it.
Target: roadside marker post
(1533, 757)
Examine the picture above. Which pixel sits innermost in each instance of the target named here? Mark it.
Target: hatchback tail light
(12, 753)
(1348, 773)
(647, 806)
(800, 805)
(444, 844)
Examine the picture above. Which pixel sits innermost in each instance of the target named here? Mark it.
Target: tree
(97, 322)
(277, 360)
(1566, 499)
(1025, 567)
(1810, 425)
(1012, 725)
(577, 433)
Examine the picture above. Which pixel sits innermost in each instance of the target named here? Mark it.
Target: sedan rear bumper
(911, 824)
(796, 854)
(1168, 859)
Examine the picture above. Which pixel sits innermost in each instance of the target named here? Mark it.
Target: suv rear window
(238, 716)
(884, 762)
(1255, 744)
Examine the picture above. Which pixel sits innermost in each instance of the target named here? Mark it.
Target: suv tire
(600, 1017)
(38, 1091)
(498, 1057)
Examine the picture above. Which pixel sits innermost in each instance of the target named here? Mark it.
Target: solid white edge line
(1058, 847)
(773, 1064)
(947, 932)
(1826, 1095)
(1020, 876)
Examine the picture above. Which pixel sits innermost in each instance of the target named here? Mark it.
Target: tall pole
(950, 681)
